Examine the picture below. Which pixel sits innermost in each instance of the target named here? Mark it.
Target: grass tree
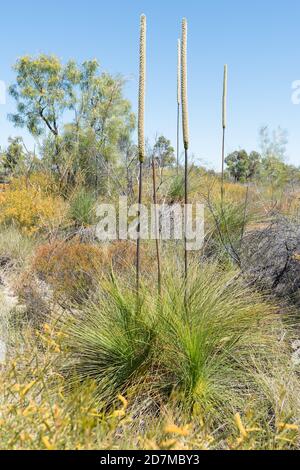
(210, 370)
(141, 135)
(185, 128)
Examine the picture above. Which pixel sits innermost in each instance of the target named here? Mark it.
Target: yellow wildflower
(173, 429)
(169, 444)
(124, 401)
(240, 425)
(118, 414)
(288, 427)
(47, 443)
(26, 389)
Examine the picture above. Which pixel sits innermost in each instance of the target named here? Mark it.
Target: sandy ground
(8, 301)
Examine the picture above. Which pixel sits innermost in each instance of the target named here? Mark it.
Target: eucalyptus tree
(78, 113)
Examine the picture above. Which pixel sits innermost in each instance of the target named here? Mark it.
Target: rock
(271, 259)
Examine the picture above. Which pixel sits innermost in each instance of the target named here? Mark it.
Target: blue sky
(259, 40)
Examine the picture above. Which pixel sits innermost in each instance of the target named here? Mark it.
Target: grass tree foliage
(213, 362)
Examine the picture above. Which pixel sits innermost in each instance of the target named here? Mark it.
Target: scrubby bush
(121, 256)
(71, 269)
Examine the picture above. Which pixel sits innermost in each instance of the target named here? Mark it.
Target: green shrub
(176, 189)
(82, 208)
(226, 224)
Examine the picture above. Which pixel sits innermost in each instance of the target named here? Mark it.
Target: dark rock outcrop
(271, 259)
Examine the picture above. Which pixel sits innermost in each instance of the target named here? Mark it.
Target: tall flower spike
(185, 116)
(179, 73)
(185, 128)
(178, 99)
(142, 90)
(224, 124)
(225, 97)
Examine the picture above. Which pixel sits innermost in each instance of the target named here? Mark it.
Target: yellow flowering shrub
(45, 183)
(31, 210)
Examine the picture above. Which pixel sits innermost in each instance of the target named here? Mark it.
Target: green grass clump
(176, 189)
(110, 343)
(15, 247)
(82, 208)
(213, 355)
(226, 225)
(211, 358)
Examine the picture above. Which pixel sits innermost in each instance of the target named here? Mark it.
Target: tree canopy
(79, 113)
(243, 166)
